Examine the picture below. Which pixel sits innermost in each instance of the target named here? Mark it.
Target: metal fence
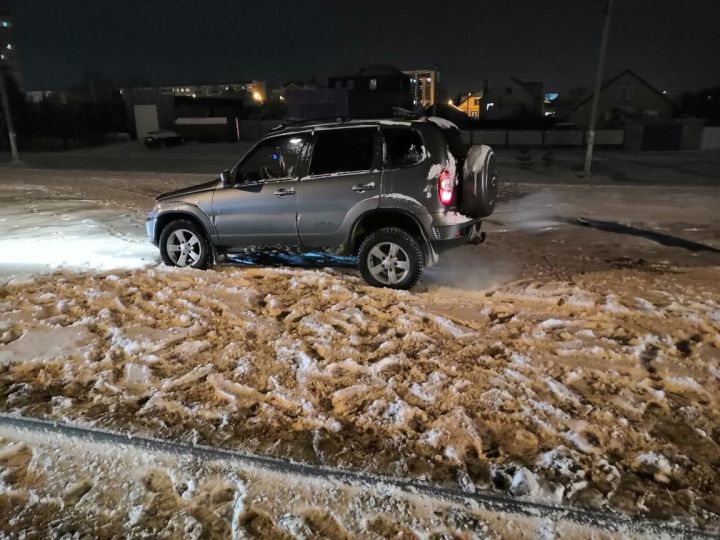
(711, 138)
(516, 137)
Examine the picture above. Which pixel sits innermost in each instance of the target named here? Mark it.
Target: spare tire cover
(479, 183)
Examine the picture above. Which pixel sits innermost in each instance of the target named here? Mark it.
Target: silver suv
(392, 192)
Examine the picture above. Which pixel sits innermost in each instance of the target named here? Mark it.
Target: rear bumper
(450, 225)
(445, 236)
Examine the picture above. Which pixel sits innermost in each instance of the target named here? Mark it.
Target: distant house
(423, 83)
(512, 98)
(622, 97)
(471, 104)
(374, 91)
(301, 85)
(316, 103)
(9, 62)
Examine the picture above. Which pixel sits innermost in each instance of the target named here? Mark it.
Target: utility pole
(596, 93)
(8, 119)
(435, 80)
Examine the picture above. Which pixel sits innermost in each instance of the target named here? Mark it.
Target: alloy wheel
(388, 263)
(184, 248)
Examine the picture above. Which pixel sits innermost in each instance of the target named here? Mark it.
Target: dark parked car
(163, 139)
(393, 192)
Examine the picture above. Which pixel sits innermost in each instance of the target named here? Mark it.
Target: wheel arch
(168, 217)
(381, 218)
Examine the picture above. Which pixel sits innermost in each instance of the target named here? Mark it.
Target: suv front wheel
(390, 257)
(183, 243)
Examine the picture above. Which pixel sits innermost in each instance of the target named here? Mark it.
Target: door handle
(285, 192)
(364, 187)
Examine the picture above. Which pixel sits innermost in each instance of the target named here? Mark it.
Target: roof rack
(398, 112)
(327, 119)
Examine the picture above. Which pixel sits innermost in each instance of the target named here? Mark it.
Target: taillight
(446, 187)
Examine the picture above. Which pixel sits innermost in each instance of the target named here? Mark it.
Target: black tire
(408, 246)
(479, 187)
(168, 238)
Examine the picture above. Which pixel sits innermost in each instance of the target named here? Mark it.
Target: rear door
(261, 206)
(343, 182)
(406, 178)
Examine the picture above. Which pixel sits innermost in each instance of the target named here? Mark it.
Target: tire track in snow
(483, 499)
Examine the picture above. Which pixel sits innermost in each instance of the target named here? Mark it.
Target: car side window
(402, 147)
(272, 159)
(343, 150)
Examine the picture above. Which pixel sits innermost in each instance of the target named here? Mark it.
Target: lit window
(373, 84)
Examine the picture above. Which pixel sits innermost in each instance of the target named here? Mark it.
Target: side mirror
(225, 177)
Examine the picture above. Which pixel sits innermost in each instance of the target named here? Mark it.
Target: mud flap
(477, 236)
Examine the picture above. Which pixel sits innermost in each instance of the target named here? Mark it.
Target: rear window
(458, 147)
(343, 150)
(402, 147)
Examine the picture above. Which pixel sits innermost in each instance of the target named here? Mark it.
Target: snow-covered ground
(59, 486)
(602, 391)
(556, 363)
(76, 220)
(48, 234)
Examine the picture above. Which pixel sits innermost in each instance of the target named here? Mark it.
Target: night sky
(675, 44)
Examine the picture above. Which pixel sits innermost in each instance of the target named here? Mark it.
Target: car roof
(344, 122)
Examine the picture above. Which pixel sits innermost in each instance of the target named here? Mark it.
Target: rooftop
(391, 121)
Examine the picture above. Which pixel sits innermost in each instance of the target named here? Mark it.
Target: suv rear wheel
(390, 257)
(184, 243)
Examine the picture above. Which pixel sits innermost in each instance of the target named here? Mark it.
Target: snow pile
(317, 366)
(55, 486)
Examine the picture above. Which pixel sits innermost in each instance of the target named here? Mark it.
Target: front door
(260, 208)
(343, 182)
